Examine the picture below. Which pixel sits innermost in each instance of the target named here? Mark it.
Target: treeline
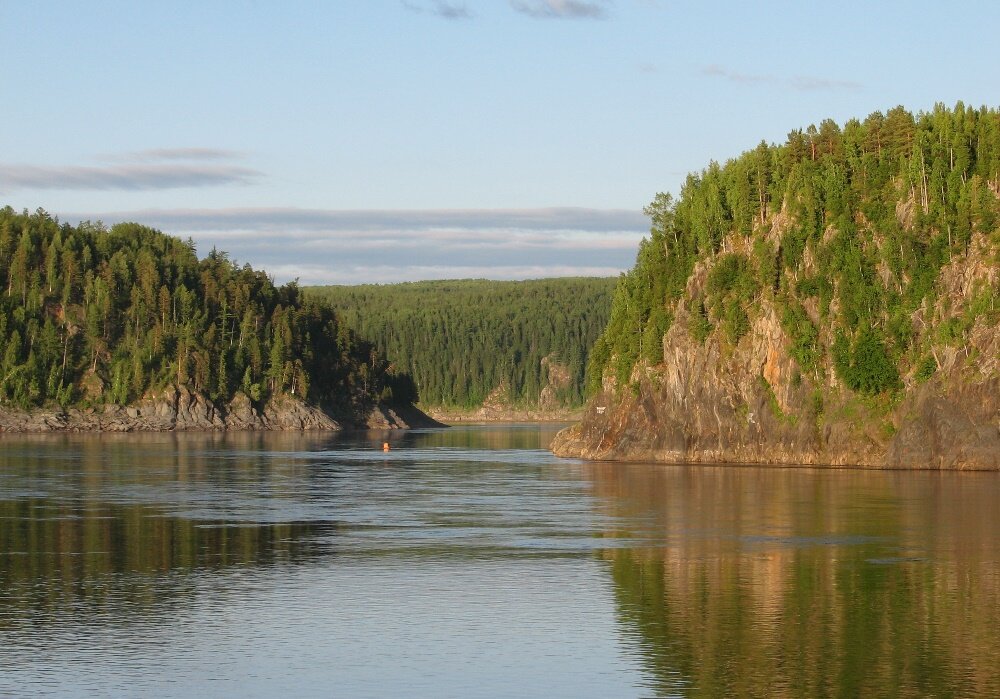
(854, 221)
(91, 315)
(460, 340)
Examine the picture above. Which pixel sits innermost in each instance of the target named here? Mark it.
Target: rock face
(701, 416)
(179, 409)
(751, 403)
(953, 426)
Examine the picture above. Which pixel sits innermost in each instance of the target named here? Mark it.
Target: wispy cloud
(805, 82)
(440, 8)
(798, 82)
(151, 169)
(171, 154)
(126, 177)
(353, 220)
(329, 246)
(387, 274)
(717, 71)
(562, 9)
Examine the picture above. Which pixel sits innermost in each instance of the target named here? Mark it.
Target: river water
(470, 562)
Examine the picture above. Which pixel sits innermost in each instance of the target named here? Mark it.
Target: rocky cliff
(752, 402)
(180, 409)
(834, 299)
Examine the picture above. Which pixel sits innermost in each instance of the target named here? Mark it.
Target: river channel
(470, 562)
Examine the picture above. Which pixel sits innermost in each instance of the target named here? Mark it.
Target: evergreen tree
(133, 310)
(870, 214)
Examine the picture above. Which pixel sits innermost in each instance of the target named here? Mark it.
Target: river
(470, 562)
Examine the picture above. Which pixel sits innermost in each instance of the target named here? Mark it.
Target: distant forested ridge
(92, 316)
(835, 297)
(524, 342)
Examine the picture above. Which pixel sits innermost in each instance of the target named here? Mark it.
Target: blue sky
(391, 140)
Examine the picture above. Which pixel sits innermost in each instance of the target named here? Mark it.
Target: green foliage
(772, 402)
(699, 325)
(872, 370)
(129, 311)
(766, 261)
(461, 339)
(805, 336)
(732, 285)
(735, 321)
(818, 406)
(600, 354)
(926, 368)
(869, 215)
(793, 245)
(732, 275)
(652, 340)
(867, 366)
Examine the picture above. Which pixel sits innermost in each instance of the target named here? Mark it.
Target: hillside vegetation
(92, 316)
(866, 256)
(463, 341)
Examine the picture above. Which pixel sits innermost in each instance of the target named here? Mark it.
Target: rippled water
(470, 562)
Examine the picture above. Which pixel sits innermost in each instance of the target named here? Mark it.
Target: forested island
(834, 299)
(484, 349)
(125, 328)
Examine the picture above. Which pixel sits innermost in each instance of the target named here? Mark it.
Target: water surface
(470, 562)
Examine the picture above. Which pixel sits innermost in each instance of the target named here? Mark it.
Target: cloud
(160, 154)
(331, 246)
(804, 82)
(798, 82)
(715, 70)
(385, 274)
(129, 177)
(441, 8)
(354, 220)
(562, 9)
(152, 169)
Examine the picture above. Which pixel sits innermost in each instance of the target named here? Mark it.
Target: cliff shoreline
(179, 409)
(502, 415)
(713, 404)
(711, 401)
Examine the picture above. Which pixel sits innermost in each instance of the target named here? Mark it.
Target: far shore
(502, 415)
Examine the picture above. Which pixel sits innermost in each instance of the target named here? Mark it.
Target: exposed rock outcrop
(705, 406)
(178, 409)
(752, 403)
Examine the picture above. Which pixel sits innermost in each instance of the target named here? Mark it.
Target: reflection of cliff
(790, 583)
(42, 540)
(106, 532)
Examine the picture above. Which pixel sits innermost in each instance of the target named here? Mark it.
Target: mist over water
(471, 562)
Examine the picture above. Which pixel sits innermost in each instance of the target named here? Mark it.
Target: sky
(374, 141)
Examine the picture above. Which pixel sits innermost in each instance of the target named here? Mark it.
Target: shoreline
(181, 410)
(502, 415)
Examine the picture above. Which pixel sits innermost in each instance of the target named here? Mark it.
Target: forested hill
(92, 316)
(834, 298)
(524, 342)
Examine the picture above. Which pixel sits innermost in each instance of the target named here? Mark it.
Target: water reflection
(87, 524)
(757, 582)
(471, 562)
(85, 518)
